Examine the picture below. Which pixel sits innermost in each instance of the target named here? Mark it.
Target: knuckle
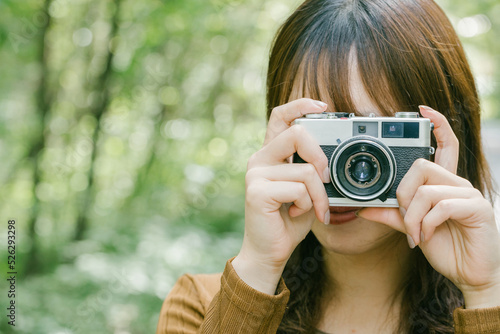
(444, 205)
(302, 194)
(297, 131)
(467, 183)
(478, 194)
(276, 111)
(251, 175)
(309, 171)
(253, 192)
(421, 163)
(252, 161)
(401, 195)
(306, 202)
(424, 191)
(485, 204)
(399, 192)
(302, 190)
(421, 192)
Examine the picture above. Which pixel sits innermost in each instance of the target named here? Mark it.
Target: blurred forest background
(125, 127)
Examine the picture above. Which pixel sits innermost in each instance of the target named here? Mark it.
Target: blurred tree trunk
(101, 87)
(44, 103)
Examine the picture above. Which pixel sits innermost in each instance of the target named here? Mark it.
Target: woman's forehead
(361, 100)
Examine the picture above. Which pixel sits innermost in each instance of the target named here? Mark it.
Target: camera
(368, 156)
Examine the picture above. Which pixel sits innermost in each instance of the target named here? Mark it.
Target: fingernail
(327, 217)
(326, 175)
(427, 108)
(411, 243)
(402, 211)
(320, 104)
(422, 238)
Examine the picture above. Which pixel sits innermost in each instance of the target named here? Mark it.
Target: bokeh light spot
(79, 182)
(178, 129)
(114, 146)
(82, 37)
(473, 25)
(168, 95)
(217, 147)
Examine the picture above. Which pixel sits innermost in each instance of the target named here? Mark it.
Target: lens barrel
(362, 168)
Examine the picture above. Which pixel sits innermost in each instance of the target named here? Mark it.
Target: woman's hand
(449, 220)
(282, 199)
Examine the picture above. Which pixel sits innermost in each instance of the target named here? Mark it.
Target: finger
(305, 173)
(447, 143)
(387, 216)
(269, 196)
(425, 172)
(426, 197)
(302, 206)
(294, 139)
(282, 117)
(457, 209)
(287, 192)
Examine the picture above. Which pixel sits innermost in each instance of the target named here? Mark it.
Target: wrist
(261, 276)
(483, 297)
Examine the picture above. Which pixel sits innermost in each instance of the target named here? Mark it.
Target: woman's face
(348, 234)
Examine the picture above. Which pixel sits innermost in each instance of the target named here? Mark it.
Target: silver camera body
(368, 156)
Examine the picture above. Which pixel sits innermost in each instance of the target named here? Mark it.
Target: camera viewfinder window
(400, 130)
(392, 130)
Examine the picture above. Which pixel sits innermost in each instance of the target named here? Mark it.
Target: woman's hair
(407, 54)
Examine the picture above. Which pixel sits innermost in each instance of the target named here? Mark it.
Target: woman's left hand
(452, 223)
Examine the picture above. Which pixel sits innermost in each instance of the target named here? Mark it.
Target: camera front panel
(404, 156)
(402, 139)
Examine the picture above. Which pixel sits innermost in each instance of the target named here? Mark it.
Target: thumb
(387, 216)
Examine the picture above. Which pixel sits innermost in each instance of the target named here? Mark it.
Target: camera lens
(362, 168)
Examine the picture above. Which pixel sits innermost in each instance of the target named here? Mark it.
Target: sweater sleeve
(236, 308)
(477, 321)
(182, 310)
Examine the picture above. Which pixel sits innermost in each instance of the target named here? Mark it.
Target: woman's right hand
(282, 199)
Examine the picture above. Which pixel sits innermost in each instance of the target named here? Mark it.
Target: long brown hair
(405, 50)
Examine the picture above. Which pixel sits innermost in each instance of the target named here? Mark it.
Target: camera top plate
(405, 129)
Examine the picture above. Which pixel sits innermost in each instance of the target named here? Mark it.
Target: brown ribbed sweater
(225, 304)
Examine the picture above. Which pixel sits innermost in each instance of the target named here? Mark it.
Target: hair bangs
(330, 56)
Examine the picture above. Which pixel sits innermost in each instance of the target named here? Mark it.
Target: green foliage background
(125, 130)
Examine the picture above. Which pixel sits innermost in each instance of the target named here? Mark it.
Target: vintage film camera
(368, 156)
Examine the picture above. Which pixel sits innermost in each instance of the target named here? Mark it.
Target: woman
(306, 267)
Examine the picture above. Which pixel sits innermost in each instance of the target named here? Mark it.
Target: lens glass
(362, 171)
